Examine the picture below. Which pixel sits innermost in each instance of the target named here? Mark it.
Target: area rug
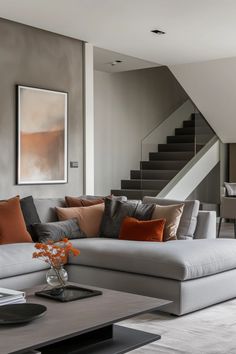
(208, 331)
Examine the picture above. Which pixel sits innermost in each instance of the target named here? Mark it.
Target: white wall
(212, 87)
(127, 106)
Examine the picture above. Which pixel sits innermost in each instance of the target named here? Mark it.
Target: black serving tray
(20, 313)
(68, 293)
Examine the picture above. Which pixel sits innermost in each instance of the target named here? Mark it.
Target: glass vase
(57, 276)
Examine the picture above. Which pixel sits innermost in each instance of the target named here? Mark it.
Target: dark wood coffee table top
(65, 320)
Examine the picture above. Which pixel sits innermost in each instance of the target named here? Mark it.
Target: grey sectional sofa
(193, 274)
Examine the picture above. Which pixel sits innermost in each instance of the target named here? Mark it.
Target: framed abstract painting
(42, 136)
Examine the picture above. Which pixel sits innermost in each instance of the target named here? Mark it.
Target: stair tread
(148, 180)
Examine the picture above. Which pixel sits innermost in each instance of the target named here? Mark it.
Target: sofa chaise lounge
(193, 274)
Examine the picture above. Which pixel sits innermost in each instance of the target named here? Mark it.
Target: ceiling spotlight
(156, 31)
(116, 62)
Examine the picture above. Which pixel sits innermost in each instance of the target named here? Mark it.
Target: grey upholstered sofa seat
(179, 260)
(16, 259)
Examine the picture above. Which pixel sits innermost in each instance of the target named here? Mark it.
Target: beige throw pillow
(89, 218)
(172, 214)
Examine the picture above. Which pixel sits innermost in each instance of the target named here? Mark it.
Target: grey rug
(209, 331)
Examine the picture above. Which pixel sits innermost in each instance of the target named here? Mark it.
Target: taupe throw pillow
(172, 214)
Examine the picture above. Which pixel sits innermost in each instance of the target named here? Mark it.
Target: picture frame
(42, 121)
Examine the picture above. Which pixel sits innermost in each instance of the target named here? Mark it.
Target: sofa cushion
(72, 202)
(188, 221)
(172, 214)
(177, 259)
(12, 224)
(57, 230)
(115, 212)
(30, 215)
(89, 218)
(16, 259)
(147, 230)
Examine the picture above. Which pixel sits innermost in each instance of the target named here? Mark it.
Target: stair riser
(162, 165)
(170, 156)
(176, 147)
(180, 139)
(143, 184)
(185, 131)
(149, 174)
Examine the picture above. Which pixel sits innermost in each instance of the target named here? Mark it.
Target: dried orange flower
(55, 254)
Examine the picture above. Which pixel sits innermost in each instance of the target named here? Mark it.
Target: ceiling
(104, 60)
(195, 30)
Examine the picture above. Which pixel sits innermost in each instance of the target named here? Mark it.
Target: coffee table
(84, 326)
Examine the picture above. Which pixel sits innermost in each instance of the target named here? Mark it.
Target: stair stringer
(193, 173)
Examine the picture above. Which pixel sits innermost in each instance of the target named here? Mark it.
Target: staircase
(164, 165)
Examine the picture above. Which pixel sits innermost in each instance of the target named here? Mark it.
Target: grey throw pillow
(230, 189)
(116, 210)
(56, 231)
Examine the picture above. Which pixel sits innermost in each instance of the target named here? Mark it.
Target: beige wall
(128, 106)
(33, 57)
(211, 85)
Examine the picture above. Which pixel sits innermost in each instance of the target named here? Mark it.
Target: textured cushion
(57, 230)
(89, 218)
(172, 214)
(177, 259)
(12, 224)
(136, 230)
(116, 211)
(81, 202)
(30, 214)
(230, 189)
(16, 259)
(188, 221)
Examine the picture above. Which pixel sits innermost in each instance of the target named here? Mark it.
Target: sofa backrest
(205, 221)
(46, 208)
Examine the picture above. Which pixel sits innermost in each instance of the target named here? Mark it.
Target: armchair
(228, 206)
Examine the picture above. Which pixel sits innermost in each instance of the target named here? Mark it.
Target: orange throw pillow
(81, 202)
(136, 230)
(89, 218)
(12, 224)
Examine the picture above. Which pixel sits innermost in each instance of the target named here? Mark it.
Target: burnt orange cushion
(72, 202)
(12, 224)
(136, 230)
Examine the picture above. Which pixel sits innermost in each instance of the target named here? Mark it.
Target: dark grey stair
(153, 174)
(188, 123)
(162, 165)
(143, 184)
(180, 139)
(171, 156)
(134, 193)
(185, 131)
(176, 147)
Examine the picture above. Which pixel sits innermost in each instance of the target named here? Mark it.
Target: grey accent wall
(128, 106)
(33, 57)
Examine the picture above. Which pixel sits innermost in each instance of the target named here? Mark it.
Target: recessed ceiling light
(156, 31)
(116, 62)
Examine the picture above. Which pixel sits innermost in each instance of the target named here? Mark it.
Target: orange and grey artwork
(42, 136)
